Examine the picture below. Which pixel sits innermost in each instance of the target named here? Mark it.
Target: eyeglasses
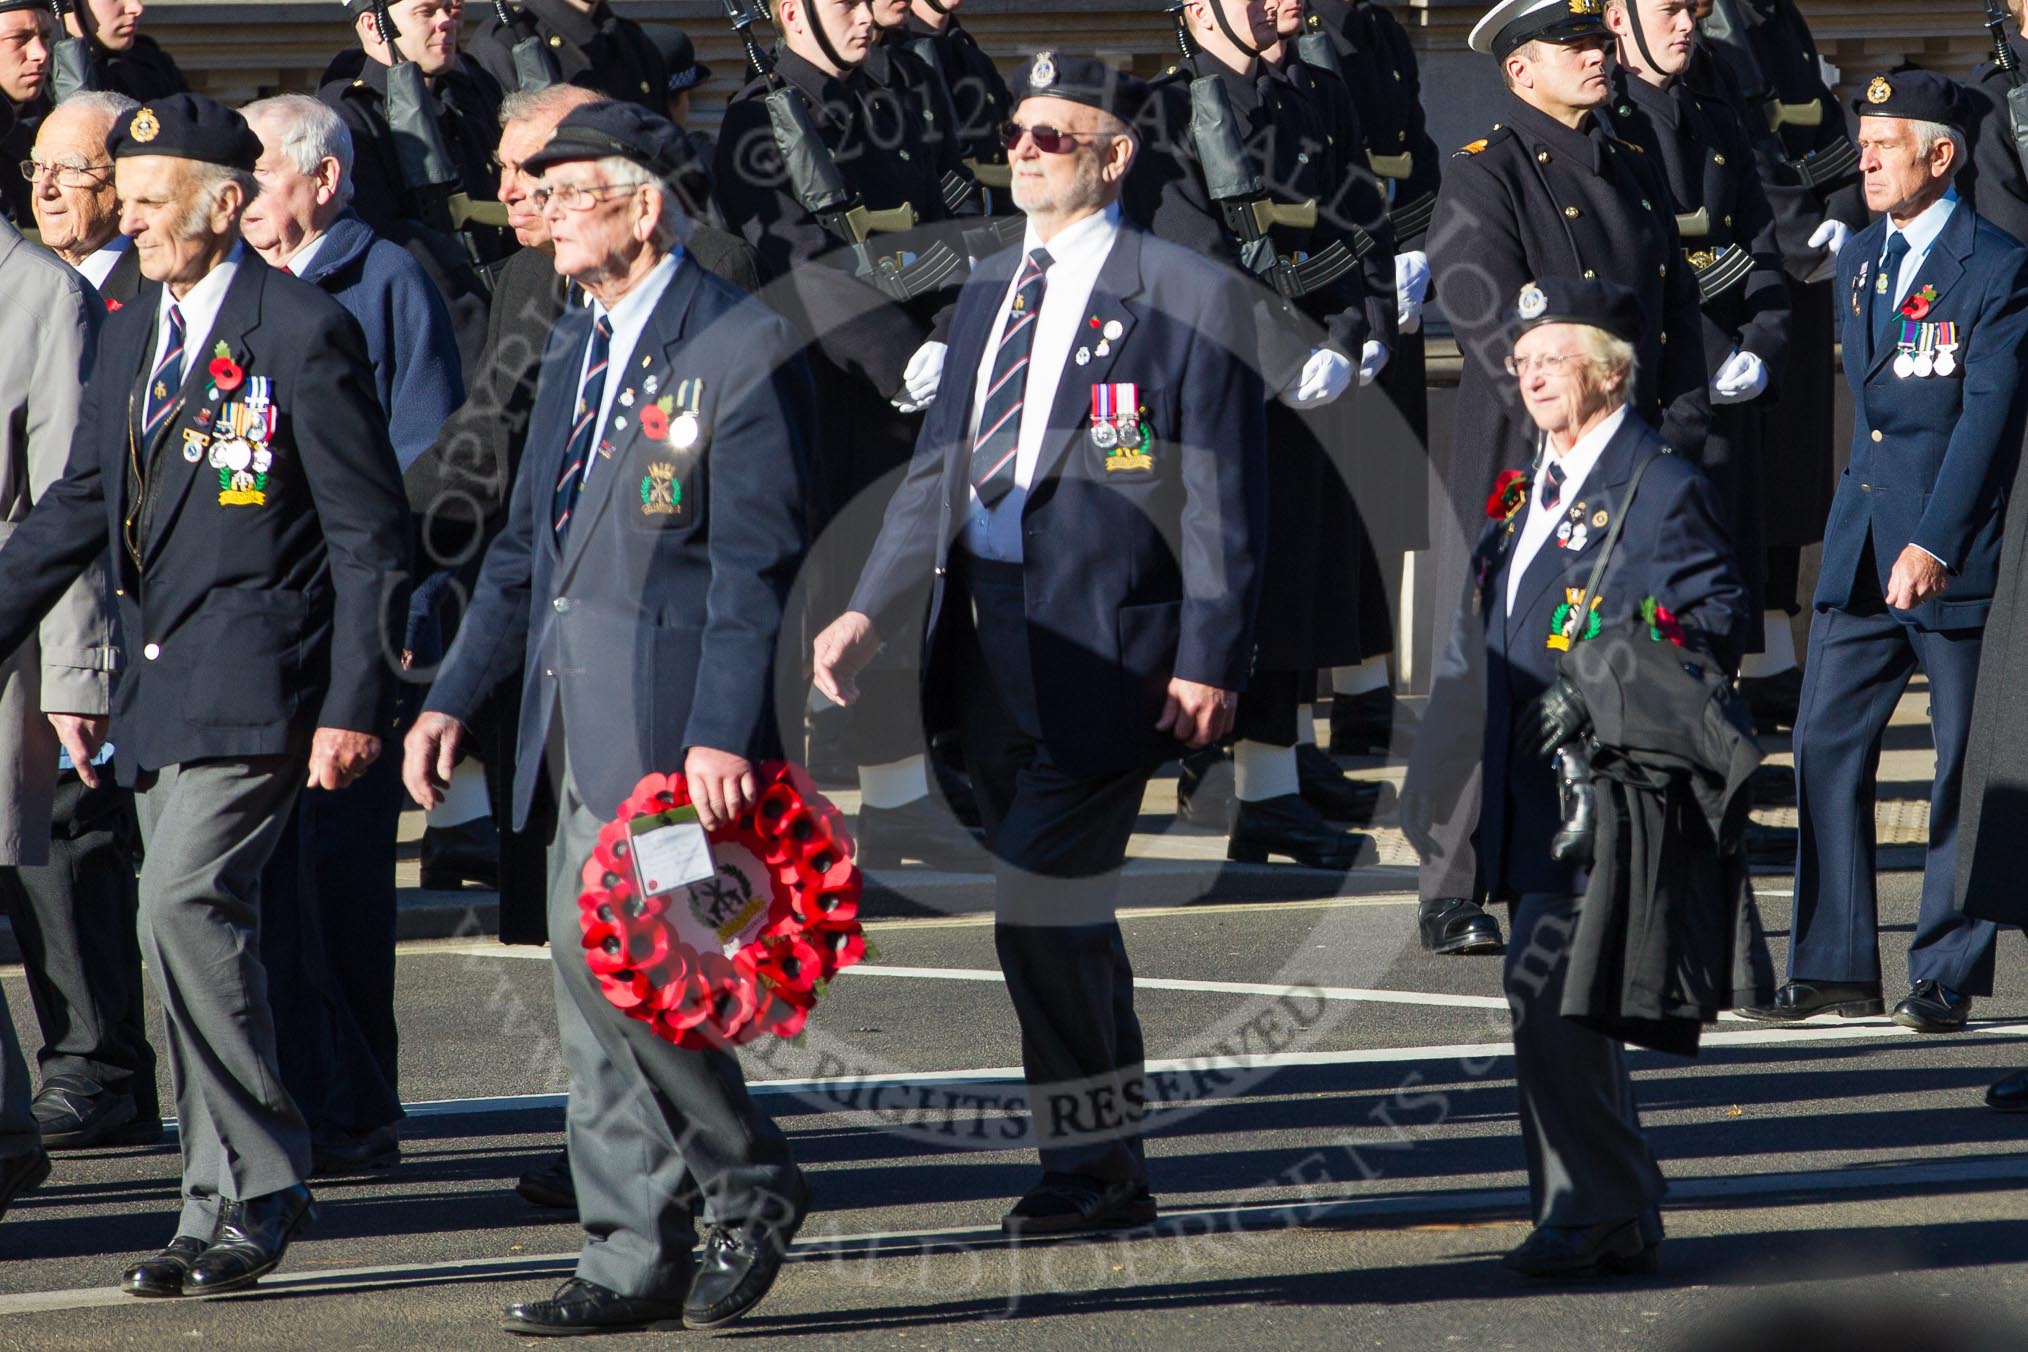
(66, 175)
(1551, 364)
(1048, 140)
(572, 196)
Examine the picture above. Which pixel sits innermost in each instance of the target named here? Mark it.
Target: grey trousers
(1587, 1159)
(658, 1133)
(208, 828)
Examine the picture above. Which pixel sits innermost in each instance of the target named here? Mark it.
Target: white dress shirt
(1541, 523)
(629, 318)
(1076, 255)
(200, 312)
(99, 266)
(1921, 234)
(299, 262)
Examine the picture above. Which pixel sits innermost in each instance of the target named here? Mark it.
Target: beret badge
(1532, 302)
(145, 127)
(1042, 74)
(1879, 91)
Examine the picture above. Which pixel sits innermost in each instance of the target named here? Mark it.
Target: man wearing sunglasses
(1327, 316)
(1086, 508)
(1548, 192)
(876, 343)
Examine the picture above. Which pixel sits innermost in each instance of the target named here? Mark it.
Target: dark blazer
(1132, 576)
(1674, 548)
(654, 629)
(247, 618)
(1932, 457)
(123, 283)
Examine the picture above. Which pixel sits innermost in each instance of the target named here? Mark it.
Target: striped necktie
(166, 379)
(590, 395)
(999, 440)
(1552, 486)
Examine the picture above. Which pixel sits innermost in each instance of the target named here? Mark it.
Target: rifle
(820, 188)
(426, 164)
(534, 67)
(2017, 92)
(71, 67)
(1317, 47)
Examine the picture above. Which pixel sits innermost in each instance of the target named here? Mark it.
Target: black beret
(679, 56)
(624, 129)
(1593, 302)
(1511, 23)
(189, 127)
(1918, 95)
(1082, 79)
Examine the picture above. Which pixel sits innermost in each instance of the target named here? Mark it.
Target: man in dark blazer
(692, 583)
(231, 456)
(1093, 569)
(1592, 1178)
(1935, 309)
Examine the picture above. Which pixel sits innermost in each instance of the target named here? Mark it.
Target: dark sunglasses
(1048, 140)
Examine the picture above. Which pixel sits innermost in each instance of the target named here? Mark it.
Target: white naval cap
(1511, 23)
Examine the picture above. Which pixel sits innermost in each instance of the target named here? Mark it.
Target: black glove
(1559, 716)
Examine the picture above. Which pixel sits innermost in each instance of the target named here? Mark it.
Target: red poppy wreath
(744, 951)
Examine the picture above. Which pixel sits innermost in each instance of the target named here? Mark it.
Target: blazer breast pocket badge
(673, 429)
(1563, 626)
(242, 449)
(1119, 427)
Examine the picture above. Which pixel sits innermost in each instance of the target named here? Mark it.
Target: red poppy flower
(1510, 491)
(112, 305)
(225, 374)
(654, 422)
(1915, 307)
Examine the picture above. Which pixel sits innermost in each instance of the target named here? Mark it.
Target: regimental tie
(999, 441)
(1552, 486)
(166, 379)
(590, 396)
(1884, 301)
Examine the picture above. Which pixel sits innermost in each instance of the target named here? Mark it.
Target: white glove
(1741, 376)
(919, 382)
(1372, 359)
(1411, 288)
(1325, 376)
(1830, 237)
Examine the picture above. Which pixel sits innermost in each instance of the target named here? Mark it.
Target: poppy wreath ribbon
(748, 951)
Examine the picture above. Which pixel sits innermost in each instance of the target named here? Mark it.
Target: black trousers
(74, 918)
(1058, 841)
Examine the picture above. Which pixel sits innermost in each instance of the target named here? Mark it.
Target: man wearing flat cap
(631, 536)
(1086, 506)
(1934, 302)
(231, 455)
(1550, 191)
(1592, 1179)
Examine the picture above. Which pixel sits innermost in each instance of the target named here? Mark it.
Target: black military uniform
(1992, 182)
(1728, 233)
(862, 330)
(979, 94)
(1301, 134)
(600, 50)
(144, 71)
(17, 197)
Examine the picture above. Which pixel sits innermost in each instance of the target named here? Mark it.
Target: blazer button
(1570, 212)
(1877, 436)
(152, 651)
(562, 604)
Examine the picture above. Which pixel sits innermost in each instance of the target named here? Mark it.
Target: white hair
(1608, 354)
(211, 182)
(624, 173)
(108, 104)
(551, 102)
(1927, 134)
(310, 134)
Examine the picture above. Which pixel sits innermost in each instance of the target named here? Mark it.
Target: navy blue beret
(1918, 95)
(1593, 302)
(1082, 79)
(189, 127)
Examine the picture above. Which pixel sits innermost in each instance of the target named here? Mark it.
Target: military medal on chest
(1117, 426)
(241, 449)
(1946, 349)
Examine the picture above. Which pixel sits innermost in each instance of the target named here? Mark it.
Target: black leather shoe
(469, 852)
(580, 1307)
(1457, 925)
(1773, 786)
(73, 1116)
(923, 831)
(1933, 1007)
(161, 1277)
(1570, 1253)
(1772, 700)
(251, 1238)
(1336, 795)
(1290, 827)
(737, 1266)
(549, 1184)
(1801, 999)
(1371, 724)
(1066, 1204)
(2011, 1094)
(1204, 794)
(20, 1173)
(338, 1154)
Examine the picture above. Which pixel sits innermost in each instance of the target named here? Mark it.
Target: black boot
(1204, 789)
(1290, 827)
(1773, 699)
(466, 853)
(923, 831)
(1371, 724)
(1336, 795)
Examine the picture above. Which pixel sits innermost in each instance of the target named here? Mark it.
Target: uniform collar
(1658, 103)
(568, 22)
(821, 89)
(1585, 145)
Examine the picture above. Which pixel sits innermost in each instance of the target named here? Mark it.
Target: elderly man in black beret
(685, 588)
(232, 458)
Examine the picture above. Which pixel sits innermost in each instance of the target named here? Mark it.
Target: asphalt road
(1338, 1167)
